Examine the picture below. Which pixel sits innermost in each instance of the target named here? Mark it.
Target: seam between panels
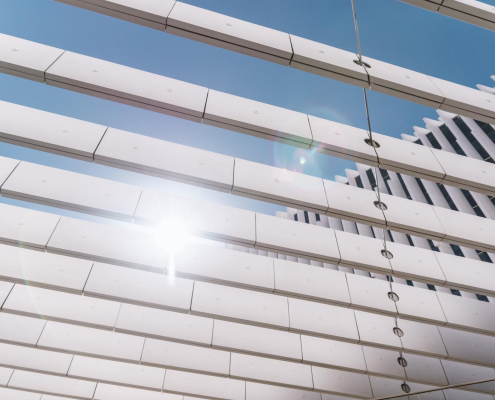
(190, 303)
(116, 319)
(328, 204)
(87, 279)
(443, 311)
(255, 230)
(168, 15)
(163, 384)
(101, 140)
(70, 365)
(311, 131)
(44, 72)
(233, 178)
(212, 333)
(443, 369)
(439, 163)
(10, 377)
(302, 358)
(230, 364)
(288, 314)
(54, 229)
(206, 102)
(292, 48)
(137, 205)
(11, 172)
(96, 387)
(6, 297)
(41, 333)
(142, 351)
(274, 279)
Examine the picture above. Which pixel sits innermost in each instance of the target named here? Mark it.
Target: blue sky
(390, 31)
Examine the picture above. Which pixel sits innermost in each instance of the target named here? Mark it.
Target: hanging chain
(377, 168)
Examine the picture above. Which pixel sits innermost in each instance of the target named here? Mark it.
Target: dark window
(404, 186)
(474, 142)
(409, 282)
(390, 278)
(373, 232)
(371, 178)
(452, 139)
(483, 255)
(448, 199)
(418, 142)
(386, 178)
(457, 250)
(472, 202)
(455, 292)
(488, 129)
(431, 287)
(423, 189)
(432, 246)
(482, 297)
(359, 182)
(433, 140)
(410, 240)
(306, 217)
(318, 219)
(390, 235)
(492, 199)
(295, 217)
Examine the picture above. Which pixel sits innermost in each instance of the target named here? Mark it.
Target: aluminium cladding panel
(91, 342)
(65, 189)
(49, 132)
(258, 391)
(13, 394)
(310, 282)
(409, 158)
(139, 287)
(342, 382)
(411, 262)
(34, 359)
(383, 362)
(50, 384)
(20, 330)
(385, 387)
(467, 230)
(274, 372)
(458, 373)
(108, 244)
(424, 369)
(318, 319)
(25, 227)
(223, 266)
(184, 357)
(255, 340)
(267, 183)
(413, 217)
(229, 33)
(37, 268)
(127, 85)
(353, 203)
(377, 330)
(205, 219)
(257, 119)
(431, 5)
(469, 347)
(419, 304)
(458, 394)
(165, 325)
(108, 371)
(333, 354)
(239, 305)
(296, 239)
(166, 160)
(26, 59)
(327, 61)
(343, 141)
(370, 294)
(470, 19)
(403, 83)
(472, 7)
(211, 387)
(361, 252)
(468, 173)
(466, 101)
(150, 13)
(468, 314)
(63, 307)
(113, 392)
(424, 339)
(467, 274)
